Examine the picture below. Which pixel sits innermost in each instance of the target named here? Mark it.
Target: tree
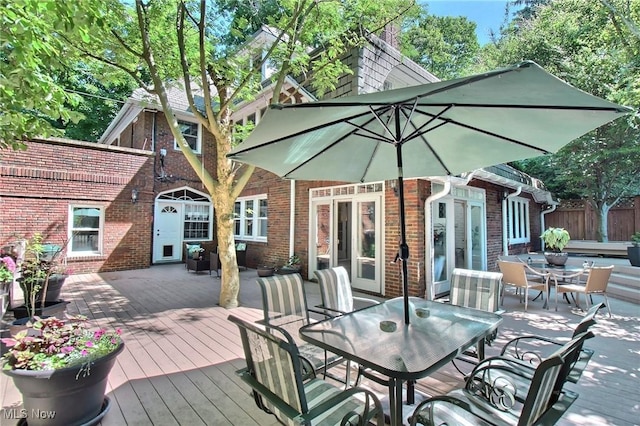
(446, 46)
(204, 45)
(31, 54)
(592, 46)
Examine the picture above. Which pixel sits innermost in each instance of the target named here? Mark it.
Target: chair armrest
(369, 399)
(327, 312)
(531, 349)
(445, 409)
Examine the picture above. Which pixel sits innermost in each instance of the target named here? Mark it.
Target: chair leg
(606, 300)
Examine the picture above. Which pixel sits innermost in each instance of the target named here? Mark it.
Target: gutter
(505, 225)
(428, 264)
(292, 216)
(543, 213)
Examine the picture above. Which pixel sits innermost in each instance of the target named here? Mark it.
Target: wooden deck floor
(178, 366)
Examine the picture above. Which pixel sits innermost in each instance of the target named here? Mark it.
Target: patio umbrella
(443, 128)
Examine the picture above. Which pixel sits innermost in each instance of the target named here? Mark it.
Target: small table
(377, 338)
(560, 272)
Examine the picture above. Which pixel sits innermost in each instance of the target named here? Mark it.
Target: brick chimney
(390, 34)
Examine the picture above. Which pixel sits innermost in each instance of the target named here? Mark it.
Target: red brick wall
(38, 185)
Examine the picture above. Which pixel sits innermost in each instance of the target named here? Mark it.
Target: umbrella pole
(404, 248)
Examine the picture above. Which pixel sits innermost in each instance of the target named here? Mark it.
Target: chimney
(390, 34)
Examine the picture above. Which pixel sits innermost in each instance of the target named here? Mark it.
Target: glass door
(321, 249)
(366, 255)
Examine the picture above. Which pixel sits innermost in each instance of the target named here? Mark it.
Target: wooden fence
(577, 217)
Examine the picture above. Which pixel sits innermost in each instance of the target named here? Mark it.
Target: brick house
(451, 221)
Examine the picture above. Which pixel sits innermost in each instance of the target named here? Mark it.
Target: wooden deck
(181, 354)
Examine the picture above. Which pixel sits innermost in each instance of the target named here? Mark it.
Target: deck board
(181, 354)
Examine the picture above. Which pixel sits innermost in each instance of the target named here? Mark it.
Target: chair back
(513, 273)
(283, 299)
(598, 279)
(541, 391)
(475, 289)
(273, 369)
(588, 320)
(335, 289)
(570, 353)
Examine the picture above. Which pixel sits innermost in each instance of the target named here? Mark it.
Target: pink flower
(98, 334)
(8, 263)
(84, 352)
(89, 344)
(66, 349)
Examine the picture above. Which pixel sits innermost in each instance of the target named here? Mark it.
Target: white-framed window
(86, 230)
(197, 221)
(250, 215)
(518, 220)
(192, 134)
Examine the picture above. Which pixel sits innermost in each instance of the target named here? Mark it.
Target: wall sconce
(134, 195)
(394, 186)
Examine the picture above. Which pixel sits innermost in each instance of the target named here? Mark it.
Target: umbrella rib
(337, 141)
(300, 133)
(445, 120)
(425, 141)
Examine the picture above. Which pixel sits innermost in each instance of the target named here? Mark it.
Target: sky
(487, 14)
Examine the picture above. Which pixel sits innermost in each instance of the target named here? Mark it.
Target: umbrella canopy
(443, 128)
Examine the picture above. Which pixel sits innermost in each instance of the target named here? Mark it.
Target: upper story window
(250, 216)
(86, 230)
(191, 133)
(518, 220)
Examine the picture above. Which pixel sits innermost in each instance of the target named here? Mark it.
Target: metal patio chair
(532, 349)
(494, 394)
(335, 290)
(284, 304)
(282, 387)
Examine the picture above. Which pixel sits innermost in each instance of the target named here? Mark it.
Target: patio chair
(516, 274)
(597, 282)
(533, 349)
(493, 394)
(478, 290)
(284, 305)
(282, 387)
(335, 290)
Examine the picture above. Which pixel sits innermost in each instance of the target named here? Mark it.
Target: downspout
(543, 213)
(292, 216)
(428, 264)
(505, 224)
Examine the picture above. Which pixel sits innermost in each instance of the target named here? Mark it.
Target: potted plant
(61, 368)
(7, 271)
(41, 279)
(291, 267)
(555, 240)
(265, 270)
(633, 252)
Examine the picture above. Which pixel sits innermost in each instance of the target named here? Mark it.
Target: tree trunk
(230, 282)
(602, 222)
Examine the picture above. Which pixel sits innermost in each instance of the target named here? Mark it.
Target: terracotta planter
(67, 397)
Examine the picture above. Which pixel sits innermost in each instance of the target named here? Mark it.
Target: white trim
(518, 209)
(198, 149)
(242, 219)
(71, 229)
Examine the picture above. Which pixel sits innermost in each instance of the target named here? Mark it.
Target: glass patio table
(377, 338)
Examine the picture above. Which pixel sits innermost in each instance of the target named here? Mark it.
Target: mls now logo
(15, 413)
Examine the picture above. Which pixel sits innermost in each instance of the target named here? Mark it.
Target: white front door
(167, 231)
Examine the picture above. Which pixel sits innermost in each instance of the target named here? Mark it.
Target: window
(86, 230)
(197, 223)
(191, 133)
(518, 220)
(250, 214)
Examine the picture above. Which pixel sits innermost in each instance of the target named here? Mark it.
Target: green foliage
(446, 46)
(555, 239)
(52, 344)
(635, 239)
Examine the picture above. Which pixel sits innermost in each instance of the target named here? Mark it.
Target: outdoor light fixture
(134, 195)
(394, 186)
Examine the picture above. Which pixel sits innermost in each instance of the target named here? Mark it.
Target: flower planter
(264, 271)
(56, 281)
(53, 308)
(634, 255)
(286, 271)
(558, 259)
(66, 397)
